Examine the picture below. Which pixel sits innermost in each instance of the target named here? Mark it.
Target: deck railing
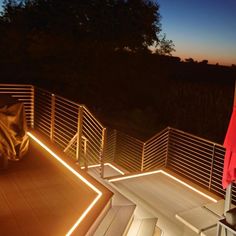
(23, 93)
(73, 128)
(196, 159)
(128, 152)
(155, 151)
(69, 125)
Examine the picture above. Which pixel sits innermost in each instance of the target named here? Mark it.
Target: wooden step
(142, 227)
(116, 221)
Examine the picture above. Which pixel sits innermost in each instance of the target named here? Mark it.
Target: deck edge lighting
(189, 186)
(106, 164)
(78, 176)
(170, 176)
(134, 176)
(115, 168)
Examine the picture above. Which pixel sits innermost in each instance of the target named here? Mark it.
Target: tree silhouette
(59, 27)
(205, 62)
(164, 46)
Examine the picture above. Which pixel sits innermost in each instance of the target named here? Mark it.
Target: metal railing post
(212, 163)
(142, 160)
(167, 148)
(104, 133)
(115, 144)
(79, 134)
(85, 154)
(32, 105)
(53, 100)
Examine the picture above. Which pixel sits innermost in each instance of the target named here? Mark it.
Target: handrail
(195, 137)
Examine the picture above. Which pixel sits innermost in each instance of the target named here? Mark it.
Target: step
(157, 232)
(140, 227)
(116, 221)
(209, 232)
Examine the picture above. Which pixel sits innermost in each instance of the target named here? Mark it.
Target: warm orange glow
(106, 164)
(78, 176)
(166, 174)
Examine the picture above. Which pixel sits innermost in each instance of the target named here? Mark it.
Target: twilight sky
(201, 29)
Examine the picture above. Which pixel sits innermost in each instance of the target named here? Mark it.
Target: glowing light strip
(78, 176)
(170, 176)
(106, 164)
(134, 176)
(115, 168)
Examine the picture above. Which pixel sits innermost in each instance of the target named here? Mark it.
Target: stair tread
(147, 227)
(116, 221)
(144, 226)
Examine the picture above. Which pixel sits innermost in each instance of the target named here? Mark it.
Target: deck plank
(40, 197)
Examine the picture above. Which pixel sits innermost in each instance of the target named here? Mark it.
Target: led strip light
(78, 176)
(167, 174)
(106, 164)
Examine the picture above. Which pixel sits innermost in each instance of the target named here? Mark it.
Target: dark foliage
(55, 28)
(139, 94)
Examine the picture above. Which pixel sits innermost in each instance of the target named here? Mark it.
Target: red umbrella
(229, 173)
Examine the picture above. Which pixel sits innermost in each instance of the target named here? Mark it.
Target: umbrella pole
(228, 196)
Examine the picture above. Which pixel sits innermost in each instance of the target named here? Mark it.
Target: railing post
(142, 160)
(85, 154)
(53, 99)
(115, 144)
(167, 148)
(212, 163)
(79, 134)
(32, 105)
(104, 133)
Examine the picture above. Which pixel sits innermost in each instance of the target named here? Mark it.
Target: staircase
(116, 221)
(123, 217)
(145, 226)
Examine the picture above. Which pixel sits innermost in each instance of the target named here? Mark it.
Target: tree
(85, 25)
(204, 62)
(190, 60)
(164, 46)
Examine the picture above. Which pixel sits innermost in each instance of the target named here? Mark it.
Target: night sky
(201, 29)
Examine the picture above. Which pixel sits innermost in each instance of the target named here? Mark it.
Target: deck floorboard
(40, 197)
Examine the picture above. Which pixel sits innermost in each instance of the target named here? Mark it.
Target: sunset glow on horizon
(202, 30)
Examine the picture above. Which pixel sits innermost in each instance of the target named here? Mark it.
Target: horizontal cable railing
(110, 145)
(23, 93)
(197, 159)
(74, 129)
(217, 170)
(155, 151)
(42, 111)
(93, 131)
(128, 152)
(70, 126)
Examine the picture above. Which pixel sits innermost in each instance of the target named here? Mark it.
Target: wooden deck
(38, 196)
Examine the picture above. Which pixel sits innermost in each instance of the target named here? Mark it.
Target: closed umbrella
(229, 173)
